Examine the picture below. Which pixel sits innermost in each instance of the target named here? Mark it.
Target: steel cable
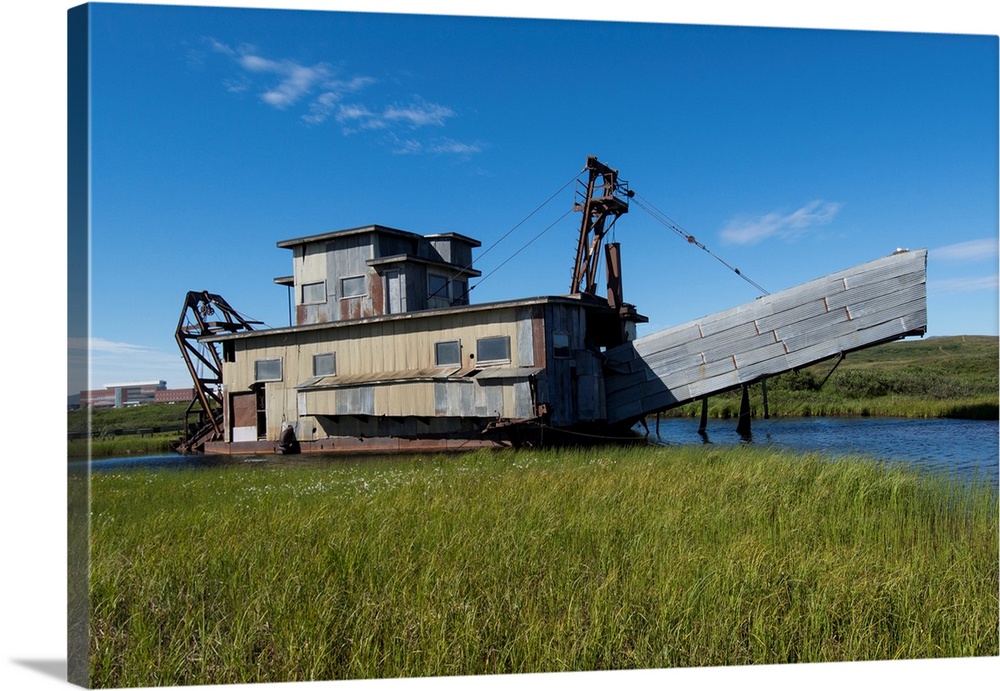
(658, 215)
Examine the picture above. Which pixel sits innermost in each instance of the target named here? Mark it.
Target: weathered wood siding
(869, 304)
(386, 367)
(573, 387)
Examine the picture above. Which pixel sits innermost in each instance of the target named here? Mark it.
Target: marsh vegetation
(496, 562)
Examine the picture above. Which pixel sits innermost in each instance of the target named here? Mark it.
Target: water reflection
(968, 448)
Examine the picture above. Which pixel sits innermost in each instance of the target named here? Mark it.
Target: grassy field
(955, 376)
(105, 422)
(531, 562)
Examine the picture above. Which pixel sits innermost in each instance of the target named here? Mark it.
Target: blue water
(967, 449)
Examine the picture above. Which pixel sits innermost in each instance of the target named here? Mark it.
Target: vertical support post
(763, 390)
(743, 426)
(613, 269)
(704, 415)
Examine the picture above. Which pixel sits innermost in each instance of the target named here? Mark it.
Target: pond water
(966, 448)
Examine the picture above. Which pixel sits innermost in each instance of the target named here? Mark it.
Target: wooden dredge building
(387, 354)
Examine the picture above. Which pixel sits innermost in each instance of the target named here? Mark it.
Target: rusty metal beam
(193, 325)
(605, 198)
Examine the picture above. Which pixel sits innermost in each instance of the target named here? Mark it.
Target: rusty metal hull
(866, 305)
(350, 446)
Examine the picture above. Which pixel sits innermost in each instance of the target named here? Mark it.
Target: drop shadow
(56, 669)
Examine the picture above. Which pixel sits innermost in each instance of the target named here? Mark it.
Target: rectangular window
(324, 364)
(448, 353)
(560, 344)
(314, 293)
(437, 286)
(353, 286)
(267, 370)
(493, 349)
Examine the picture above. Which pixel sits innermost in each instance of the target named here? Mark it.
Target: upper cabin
(375, 270)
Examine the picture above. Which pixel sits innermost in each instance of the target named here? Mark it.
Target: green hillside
(952, 376)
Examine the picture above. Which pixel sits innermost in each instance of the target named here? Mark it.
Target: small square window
(324, 364)
(314, 293)
(267, 370)
(448, 353)
(354, 286)
(560, 344)
(493, 349)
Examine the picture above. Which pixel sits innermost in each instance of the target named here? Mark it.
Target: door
(393, 293)
(261, 401)
(244, 416)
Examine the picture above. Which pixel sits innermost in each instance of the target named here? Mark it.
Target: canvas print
(424, 346)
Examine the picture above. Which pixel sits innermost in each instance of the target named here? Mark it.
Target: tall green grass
(532, 562)
(126, 445)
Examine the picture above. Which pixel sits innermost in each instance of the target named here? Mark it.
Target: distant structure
(127, 394)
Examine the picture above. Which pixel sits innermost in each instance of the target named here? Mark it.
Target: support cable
(521, 249)
(505, 235)
(644, 204)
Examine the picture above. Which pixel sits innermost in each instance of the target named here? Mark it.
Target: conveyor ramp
(872, 303)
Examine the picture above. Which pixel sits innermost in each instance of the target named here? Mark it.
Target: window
(560, 344)
(493, 349)
(267, 370)
(324, 364)
(448, 353)
(437, 286)
(444, 292)
(313, 293)
(353, 286)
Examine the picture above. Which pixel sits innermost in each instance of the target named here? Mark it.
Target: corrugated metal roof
(335, 381)
(374, 228)
(506, 372)
(427, 374)
(412, 258)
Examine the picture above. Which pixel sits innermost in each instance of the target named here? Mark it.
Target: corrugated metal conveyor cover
(873, 303)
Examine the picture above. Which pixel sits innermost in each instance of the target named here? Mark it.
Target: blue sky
(789, 153)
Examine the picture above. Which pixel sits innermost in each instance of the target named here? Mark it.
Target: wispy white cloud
(967, 284)
(748, 230)
(436, 146)
(971, 250)
(413, 115)
(291, 82)
(418, 114)
(323, 92)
